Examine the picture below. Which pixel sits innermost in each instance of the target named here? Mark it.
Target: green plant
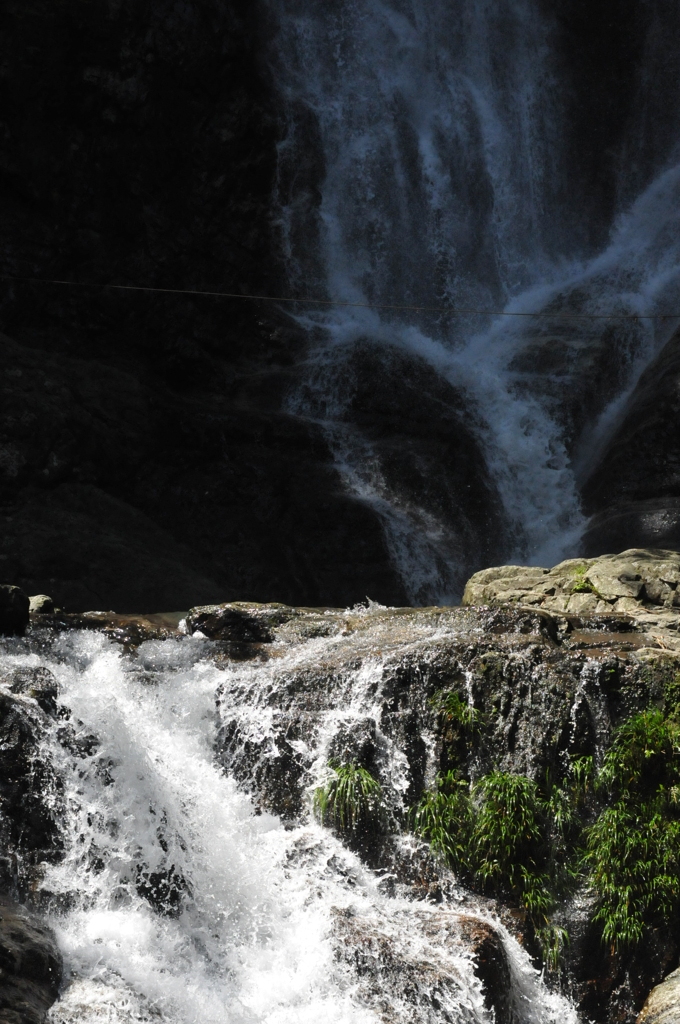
(506, 835)
(552, 939)
(671, 691)
(351, 797)
(582, 585)
(510, 841)
(633, 848)
(444, 818)
(619, 827)
(453, 708)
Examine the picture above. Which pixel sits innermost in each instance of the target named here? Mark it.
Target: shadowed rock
(30, 966)
(633, 494)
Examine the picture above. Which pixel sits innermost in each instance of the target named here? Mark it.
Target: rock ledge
(641, 584)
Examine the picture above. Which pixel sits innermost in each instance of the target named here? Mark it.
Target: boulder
(392, 977)
(41, 604)
(239, 622)
(14, 605)
(38, 683)
(545, 688)
(663, 1004)
(30, 966)
(641, 584)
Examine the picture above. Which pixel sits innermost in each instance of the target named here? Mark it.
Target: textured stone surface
(389, 969)
(663, 1005)
(122, 494)
(641, 584)
(146, 459)
(29, 785)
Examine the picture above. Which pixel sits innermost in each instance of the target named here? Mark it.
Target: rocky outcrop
(146, 458)
(391, 972)
(545, 685)
(30, 966)
(640, 585)
(663, 1005)
(41, 604)
(306, 687)
(119, 493)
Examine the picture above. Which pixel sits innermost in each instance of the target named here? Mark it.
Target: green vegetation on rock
(633, 848)
(498, 835)
(615, 830)
(453, 708)
(444, 817)
(351, 797)
(581, 584)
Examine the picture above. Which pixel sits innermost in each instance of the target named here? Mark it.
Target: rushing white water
(433, 133)
(269, 922)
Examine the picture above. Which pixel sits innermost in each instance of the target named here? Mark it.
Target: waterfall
(425, 165)
(176, 901)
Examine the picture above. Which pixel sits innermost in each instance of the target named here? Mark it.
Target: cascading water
(175, 901)
(424, 166)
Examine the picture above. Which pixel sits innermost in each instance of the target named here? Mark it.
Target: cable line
(353, 305)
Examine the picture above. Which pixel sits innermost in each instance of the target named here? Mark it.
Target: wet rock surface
(30, 792)
(30, 966)
(302, 687)
(422, 979)
(29, 786)
(148, 457)
(119, 491)
(359, 685)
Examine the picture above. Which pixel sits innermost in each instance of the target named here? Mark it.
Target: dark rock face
(145, 462)
(14, 605)
(139, 148)
(634, 492)
(29, 786)
(410, 437)
(118, 493)
(613, 987)
(30, 966)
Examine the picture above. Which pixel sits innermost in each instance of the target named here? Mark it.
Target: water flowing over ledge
(173, 845)
(175, 898)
